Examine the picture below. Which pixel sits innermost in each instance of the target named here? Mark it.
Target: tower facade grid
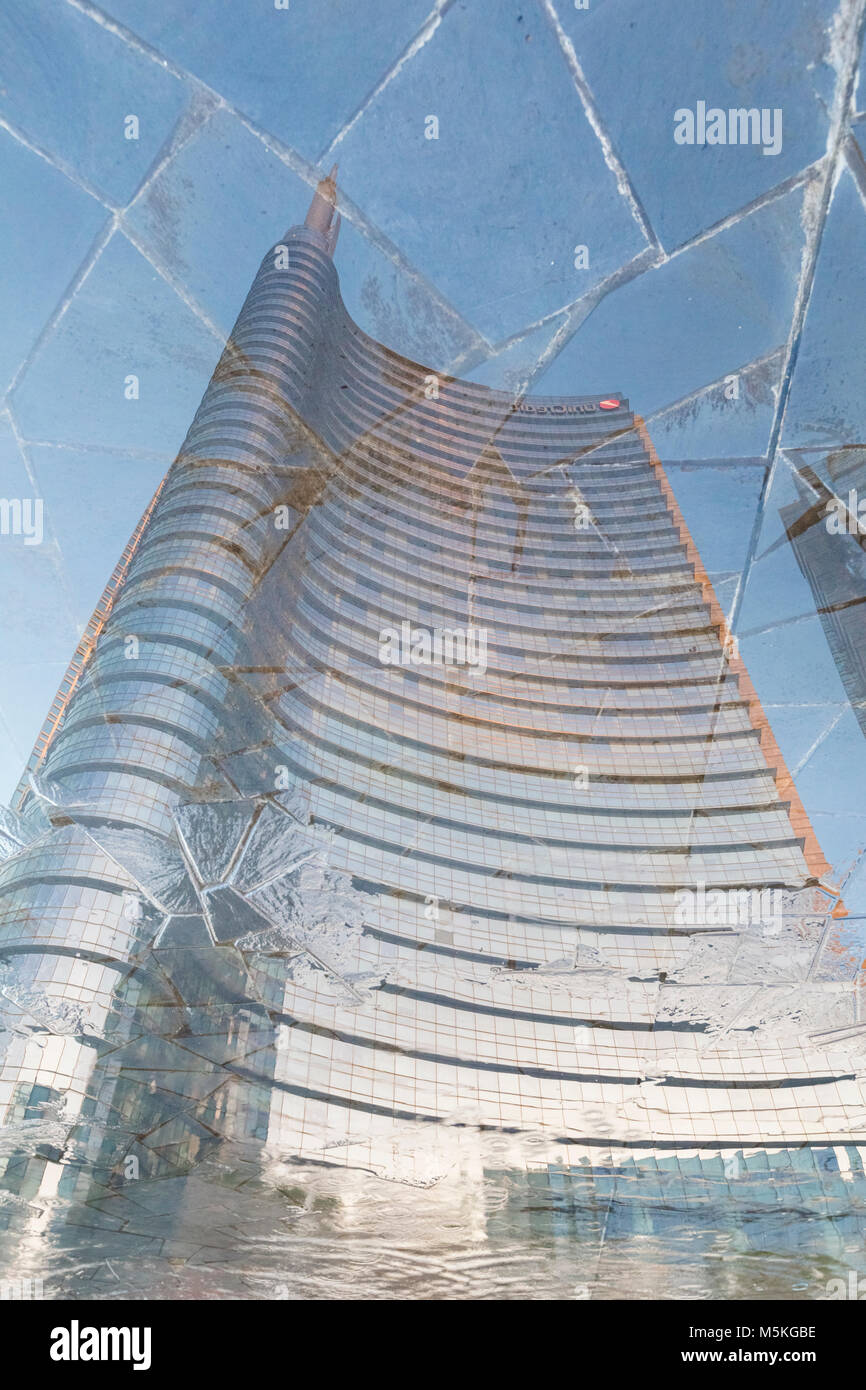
(517, 816)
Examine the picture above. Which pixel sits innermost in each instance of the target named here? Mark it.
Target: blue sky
(555, 130)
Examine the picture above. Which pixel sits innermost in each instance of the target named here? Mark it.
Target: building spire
(320, 217)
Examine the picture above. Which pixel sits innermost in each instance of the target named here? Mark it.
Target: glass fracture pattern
(459, 898)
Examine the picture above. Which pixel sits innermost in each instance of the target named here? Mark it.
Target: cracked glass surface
(329, 975)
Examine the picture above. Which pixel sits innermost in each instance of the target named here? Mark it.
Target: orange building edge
(816, 862)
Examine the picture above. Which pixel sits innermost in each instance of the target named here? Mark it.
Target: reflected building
(408, 780)
(824, 529)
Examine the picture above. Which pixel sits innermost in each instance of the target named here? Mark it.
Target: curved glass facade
(413, 777)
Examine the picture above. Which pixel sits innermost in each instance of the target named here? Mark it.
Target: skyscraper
(408, 775)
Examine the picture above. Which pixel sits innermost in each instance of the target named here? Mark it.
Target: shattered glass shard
(276, 941)
(26, 1011)
(296, 802)
(153, 862)
(49, 1125)
(44, 789)
(281, 902)
(8, 846)
(187, 930)
(326, 974)
(210, 833)
(277, 845)
(329, 896)
(229, 915)
(248, 722)
(251, 772)
(318, 919)
(258, 771)
(52, 799)
(310, 897)
(14, 835)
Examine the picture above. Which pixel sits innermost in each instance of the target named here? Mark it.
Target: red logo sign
(609, 405)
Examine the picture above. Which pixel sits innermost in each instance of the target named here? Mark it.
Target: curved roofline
(494, 395)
